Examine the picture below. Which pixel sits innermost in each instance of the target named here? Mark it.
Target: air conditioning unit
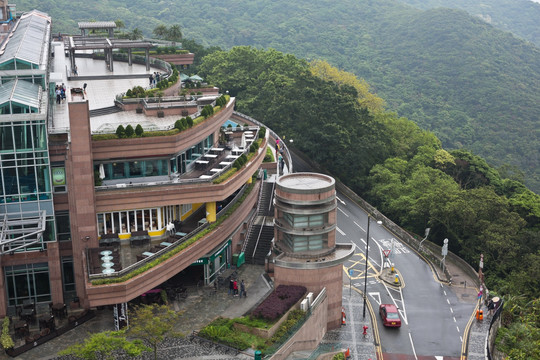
(309, 298)
(304, 305)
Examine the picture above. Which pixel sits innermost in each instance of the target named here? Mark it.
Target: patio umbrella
(195, 78)
(101, 172)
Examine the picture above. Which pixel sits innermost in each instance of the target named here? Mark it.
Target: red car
(389, 315)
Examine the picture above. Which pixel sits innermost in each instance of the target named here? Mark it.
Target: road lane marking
(454, 318)
(341, 201)
(412, 345)
(458, 329)
(451, 310)
(448, 301)
(376, 296)
(343, 212)
(340, 231)
(361, 228)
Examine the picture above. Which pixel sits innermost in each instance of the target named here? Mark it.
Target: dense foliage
(279, 301)
(474, 86)
(389, 160)
(517, 16)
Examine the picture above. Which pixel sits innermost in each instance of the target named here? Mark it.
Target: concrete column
(111, 68)
(147, 58)
(130, 57)
(55, 273)
(211, 211)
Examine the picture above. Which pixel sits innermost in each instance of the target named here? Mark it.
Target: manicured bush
(189, 121)
(262, 132)
(280, 301)
(129, 93)
(178, 125)
(129, 131)
(120, 131)
(139, 130)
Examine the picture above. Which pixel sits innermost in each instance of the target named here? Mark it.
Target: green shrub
(262, 132)
(139, 130)
(269, 157)
(129, 93)
(339, 356)
(199, 93)
(189, 121)
(129, 131)
(120, 131)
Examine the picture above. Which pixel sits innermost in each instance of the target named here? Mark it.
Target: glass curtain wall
(27, 282)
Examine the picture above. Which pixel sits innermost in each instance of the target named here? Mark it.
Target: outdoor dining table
(215, 170)
(205, 177)
(107, 265)
(147, 253)
(210, 156)
(231, 157)
(165, 243)
(179, 233)
(217, 150)
(225, 163)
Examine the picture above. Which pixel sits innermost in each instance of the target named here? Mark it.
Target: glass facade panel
(68, 275)
(30, 281)
(305, 243)
(63, 228)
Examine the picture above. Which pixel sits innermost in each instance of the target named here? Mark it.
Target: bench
(139, 238)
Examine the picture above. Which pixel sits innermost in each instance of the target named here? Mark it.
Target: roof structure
(20, 96)
(26, 45)
(97, 24)
(88, 43)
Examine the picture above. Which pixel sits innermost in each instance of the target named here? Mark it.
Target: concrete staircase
(259, 244)
(266, 206)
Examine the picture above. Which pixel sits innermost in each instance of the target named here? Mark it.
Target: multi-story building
(106, 220)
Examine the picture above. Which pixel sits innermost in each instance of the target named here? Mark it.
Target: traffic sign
(386, 253)
(351, 272)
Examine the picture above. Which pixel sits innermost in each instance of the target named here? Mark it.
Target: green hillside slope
(520, 17)
(472, 85)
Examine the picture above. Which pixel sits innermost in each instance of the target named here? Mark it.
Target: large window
(305, 221)
(129, 221)
(63, 228)
(30, 281)
(305, 243)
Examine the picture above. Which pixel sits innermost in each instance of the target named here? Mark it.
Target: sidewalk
(197, 310)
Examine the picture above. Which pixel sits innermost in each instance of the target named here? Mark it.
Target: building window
(305, 243)
(63, 228)
(68, 274)
(30, 281)
(305, 221)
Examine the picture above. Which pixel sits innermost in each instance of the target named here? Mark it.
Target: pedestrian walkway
(201, 307)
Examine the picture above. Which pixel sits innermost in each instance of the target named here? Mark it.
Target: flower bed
(280, 301)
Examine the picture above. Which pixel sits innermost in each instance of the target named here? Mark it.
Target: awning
(208, 258)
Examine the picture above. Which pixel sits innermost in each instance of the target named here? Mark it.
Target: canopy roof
(195, 78)
(28, 40)
(20, 92)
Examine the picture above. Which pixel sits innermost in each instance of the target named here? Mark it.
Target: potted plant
(5, 339)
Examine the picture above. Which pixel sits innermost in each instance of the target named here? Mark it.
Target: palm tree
(174, 33)
(136, 34)
(161, 31)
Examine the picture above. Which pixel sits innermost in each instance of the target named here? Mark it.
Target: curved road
(433, 320)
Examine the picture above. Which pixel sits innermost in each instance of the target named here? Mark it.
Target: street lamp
(367, 253)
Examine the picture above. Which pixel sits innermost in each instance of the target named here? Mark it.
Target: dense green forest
(520, 17)
(400, 168)
(472, 85)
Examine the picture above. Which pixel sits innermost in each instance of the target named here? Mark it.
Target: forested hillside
(401, 169)
(474, 86)
(521, 17)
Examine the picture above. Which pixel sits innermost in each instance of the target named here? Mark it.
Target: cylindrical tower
(305, 237)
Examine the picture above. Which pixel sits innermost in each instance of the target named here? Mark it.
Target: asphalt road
(433, 320)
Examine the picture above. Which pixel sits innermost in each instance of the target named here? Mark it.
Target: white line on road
(448, 301)
(444, 293)
(454, 318)
(343, 212)
(340, 231)
(461, 339)
(451, 310)
(361, 228)
(412, 345)
(457, 327)
(341, 201)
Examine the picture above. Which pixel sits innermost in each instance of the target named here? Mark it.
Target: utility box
(258, 355)
(241, 259)
(304, 305)
(309, 298)
(235, 259)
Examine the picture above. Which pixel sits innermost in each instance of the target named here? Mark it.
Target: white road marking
(444, 292)
(376, 296)
(454, 318)
(448, 301)
(360, 226)
(460, 338)
(340, 231)
(341, 201)
(458, 329)
(343, 212)
(451, 310)
(412, 345)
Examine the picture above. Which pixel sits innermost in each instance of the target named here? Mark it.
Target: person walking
(243, 289)
(231, 287)
(235, 287)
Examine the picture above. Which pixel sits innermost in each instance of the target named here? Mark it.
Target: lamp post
(367, 257)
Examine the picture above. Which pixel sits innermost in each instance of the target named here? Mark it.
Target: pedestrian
(231, 287)
(480, 295)
(84, 87)
(243, 289)
(75, 72)
(151, 79)
(235, 287)
(58, 94)
(490, 306)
